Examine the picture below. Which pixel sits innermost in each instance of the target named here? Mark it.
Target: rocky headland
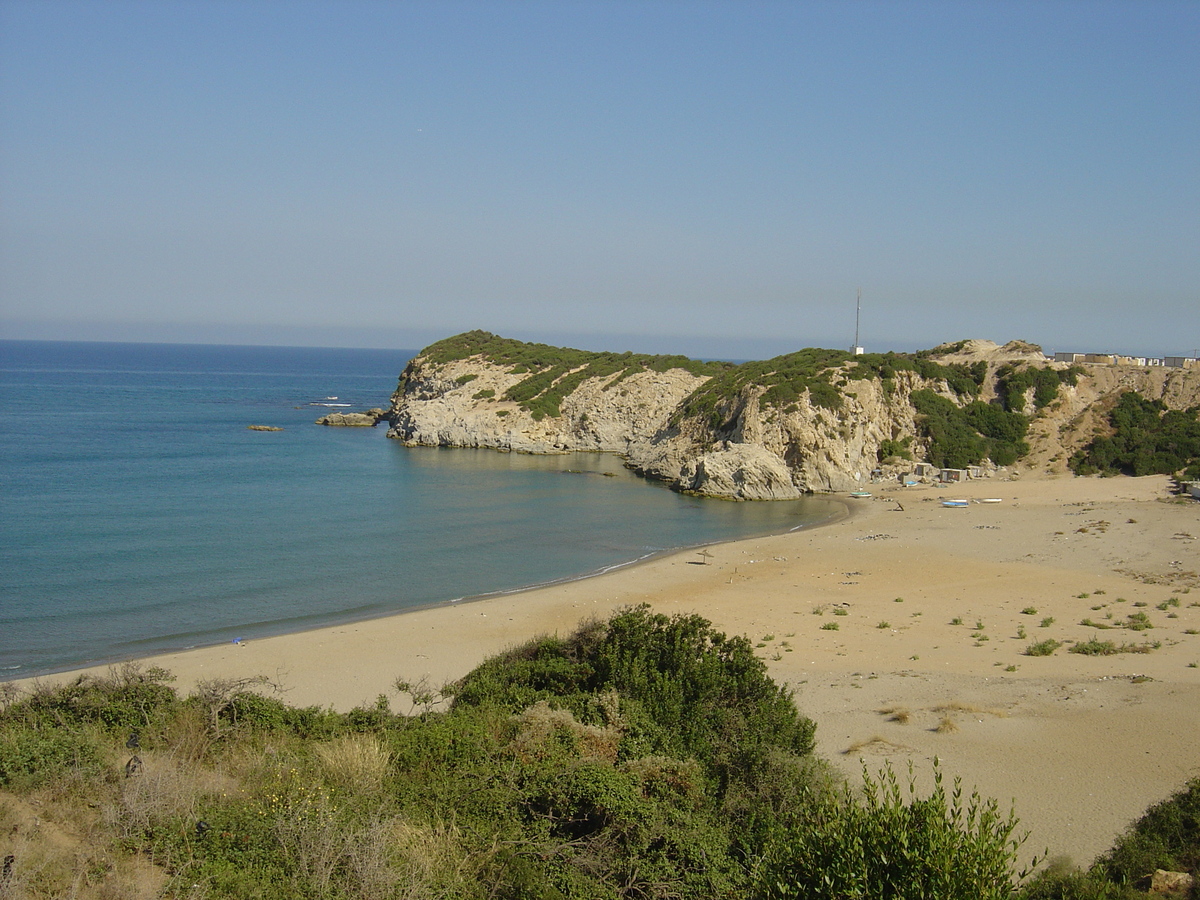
(815, 420)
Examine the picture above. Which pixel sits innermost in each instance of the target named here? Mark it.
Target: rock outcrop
(807, 422)
(368, 419)
(771, 453)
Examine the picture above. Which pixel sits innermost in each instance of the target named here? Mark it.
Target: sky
(714, 178)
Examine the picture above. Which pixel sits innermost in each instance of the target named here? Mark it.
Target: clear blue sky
(715, 178)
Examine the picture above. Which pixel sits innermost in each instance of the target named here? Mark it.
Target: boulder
(1170, 884)
(349, 420)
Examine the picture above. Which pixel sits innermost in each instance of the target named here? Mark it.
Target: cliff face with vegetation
(815, 420)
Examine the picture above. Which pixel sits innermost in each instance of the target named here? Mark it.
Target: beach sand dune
(903, 630)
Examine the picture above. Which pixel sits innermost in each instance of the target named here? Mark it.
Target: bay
(140, 514)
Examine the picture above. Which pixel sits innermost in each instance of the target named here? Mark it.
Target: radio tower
(857, 316)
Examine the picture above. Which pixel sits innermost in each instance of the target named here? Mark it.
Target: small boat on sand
(955, 504)
(861, 495)
(990, 500)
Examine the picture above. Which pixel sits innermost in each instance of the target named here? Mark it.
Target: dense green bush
(888, 845)
(1147, 439)
(1013, 381)
(642, 756)
(889, 448)
(961, 436)
(33, 756)
(127, 698)
(1166, 837)
(685, 690)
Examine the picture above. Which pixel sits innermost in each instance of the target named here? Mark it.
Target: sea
(140, 513)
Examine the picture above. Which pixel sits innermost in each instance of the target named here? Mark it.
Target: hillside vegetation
(1146, 438)
(641, 757)
(552, 373)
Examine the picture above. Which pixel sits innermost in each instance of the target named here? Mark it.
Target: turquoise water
(140, 514)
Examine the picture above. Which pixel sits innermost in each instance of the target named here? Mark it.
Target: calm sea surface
(139, 514)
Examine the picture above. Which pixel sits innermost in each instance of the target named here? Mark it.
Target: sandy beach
(902, 630)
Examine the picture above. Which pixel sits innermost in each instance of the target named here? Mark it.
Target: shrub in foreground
(890, 843)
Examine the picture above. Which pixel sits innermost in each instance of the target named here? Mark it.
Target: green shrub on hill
(1166, 837)
(822, 375)
(1147, 439)
(643, 756)
(962, 436)
(891, 844)
(1014, 380)
(555, 372)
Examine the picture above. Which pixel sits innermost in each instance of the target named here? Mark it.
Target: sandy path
(1080, 744)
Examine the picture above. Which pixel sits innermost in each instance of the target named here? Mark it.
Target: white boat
(990, 500)
(955, 504)
(861, 495)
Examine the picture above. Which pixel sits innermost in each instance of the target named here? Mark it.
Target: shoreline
(102, 665)
(886, 624)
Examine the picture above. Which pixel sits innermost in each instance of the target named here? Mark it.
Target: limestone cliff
(475, 401)
(816, 420)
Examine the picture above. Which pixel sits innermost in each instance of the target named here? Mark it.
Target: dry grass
(354, 762)
(57, 854)
(946, 726)
(876, 744)
(971, 708)
(898, 714)
(540, 724)
(430, 860)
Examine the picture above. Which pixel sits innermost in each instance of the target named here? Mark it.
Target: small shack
(974, 471)
(952, 476)
(925, 470)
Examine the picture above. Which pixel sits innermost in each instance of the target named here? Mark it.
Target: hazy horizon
(716, 179)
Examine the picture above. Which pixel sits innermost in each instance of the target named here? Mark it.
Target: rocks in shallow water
(264, 428)
(368, 419)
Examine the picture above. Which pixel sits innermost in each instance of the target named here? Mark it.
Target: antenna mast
(857, 316)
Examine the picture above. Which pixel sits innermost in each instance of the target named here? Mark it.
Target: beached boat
(861, 495)
(990, 500)
(954, 504)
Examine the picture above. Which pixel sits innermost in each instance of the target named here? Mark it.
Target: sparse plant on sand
(1029, 611)
(1043, 648)
(830, 626)
(1046, 622)
(1108, 648)
(1138, 621)
(898, 714)
(947, 725)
